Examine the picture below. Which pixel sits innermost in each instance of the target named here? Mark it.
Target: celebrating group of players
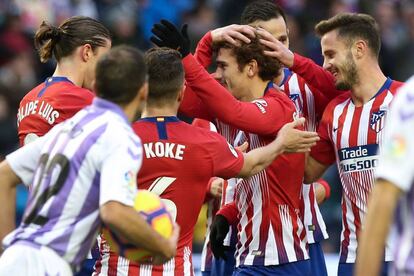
(83, 160)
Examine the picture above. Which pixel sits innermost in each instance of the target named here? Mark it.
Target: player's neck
(371, 79)
(256, 90)
(278, 80)
(71, 71)
(155, 111)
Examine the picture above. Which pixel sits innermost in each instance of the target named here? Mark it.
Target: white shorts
(21, 259)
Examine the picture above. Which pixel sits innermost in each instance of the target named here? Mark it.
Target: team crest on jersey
(377, 120)
(296, 101)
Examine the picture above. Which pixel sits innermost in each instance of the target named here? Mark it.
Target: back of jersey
(48, 104)
(63, 207)
(178, 161)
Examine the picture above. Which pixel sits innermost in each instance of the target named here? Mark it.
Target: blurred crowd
(130, 21)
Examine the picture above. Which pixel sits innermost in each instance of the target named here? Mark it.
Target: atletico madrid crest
(377, 120)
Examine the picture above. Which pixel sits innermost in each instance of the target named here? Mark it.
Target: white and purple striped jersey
(74, 169)
(396, 166)
(350, 136)
(309, 104)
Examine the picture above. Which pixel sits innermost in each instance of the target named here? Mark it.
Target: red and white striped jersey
(174, 173)
(235, 138)
(351, 135)
(309, 103)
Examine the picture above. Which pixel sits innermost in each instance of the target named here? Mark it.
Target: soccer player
(393, 187)
(308, 101)
(81, 173)
(179, 159)
(76, 45)
(352, 125)
(270, 239)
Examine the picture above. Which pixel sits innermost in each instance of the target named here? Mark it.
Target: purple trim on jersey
(107, 105)
(136, 142)
(60, 244)
(87, 243)
(44, 183)
(76, 162)
(134, 156)
(58, 203)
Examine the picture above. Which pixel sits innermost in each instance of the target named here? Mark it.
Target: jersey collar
(167, 119)
(51, 80)
(104, 104)
(385, 86)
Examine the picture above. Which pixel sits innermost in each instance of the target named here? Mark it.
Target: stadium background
(130, 22)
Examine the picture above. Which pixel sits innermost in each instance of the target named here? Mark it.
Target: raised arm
(262, 119)
(311, 72)
(192, 105)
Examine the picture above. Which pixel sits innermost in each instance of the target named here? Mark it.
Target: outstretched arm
(8, 182)
(312, 73)
(289, 139)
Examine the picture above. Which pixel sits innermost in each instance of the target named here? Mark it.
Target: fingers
(265, 35)
(243, 147)
(157, 41)
(234, 34)
(169, 25)
(184, 30)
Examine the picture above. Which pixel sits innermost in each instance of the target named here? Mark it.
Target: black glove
(219, 230)
(167, 35)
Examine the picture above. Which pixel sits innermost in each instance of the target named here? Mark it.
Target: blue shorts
(87, 268)
(300, 268)
(220, 267)
(347, 269)
(317, 260)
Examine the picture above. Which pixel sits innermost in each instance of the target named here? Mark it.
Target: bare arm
(313, 170)
(383, 200)
(132, 226)
(289, 139)
(8, 182)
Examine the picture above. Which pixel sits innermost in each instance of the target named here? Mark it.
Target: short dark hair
(261, 10)
(353, 26)
(269, 67)
(73, 32)
(120, 73)
(165, 75)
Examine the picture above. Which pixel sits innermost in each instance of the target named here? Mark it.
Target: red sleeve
(264, 116)
(227, 161)
(323, 151)
(192, 106)
(208, 196)
(315, 76)
(203, 53)
(229, 211)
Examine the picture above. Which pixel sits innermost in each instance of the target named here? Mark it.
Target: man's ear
(360, 49)
(180, 95)
(252, 68)
(86, 52)
(143, 93)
